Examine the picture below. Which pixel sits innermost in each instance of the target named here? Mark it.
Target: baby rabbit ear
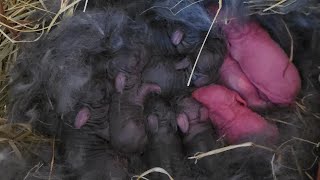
(241, 100)
(82, 117)
(152, 123)
(120, 82)
(177, 37)
(183, 122)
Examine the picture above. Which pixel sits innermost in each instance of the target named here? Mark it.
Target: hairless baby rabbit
(263, 62)
(234, 121)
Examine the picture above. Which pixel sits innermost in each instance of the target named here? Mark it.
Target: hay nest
(19, 19)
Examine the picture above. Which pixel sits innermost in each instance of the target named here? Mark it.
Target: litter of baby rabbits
(159, 89)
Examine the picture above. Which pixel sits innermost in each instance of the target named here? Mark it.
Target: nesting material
(24, 21)
(102, 89)
(153, 170)
(19, 136)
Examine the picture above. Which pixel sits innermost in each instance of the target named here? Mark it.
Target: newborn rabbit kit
(144, 89)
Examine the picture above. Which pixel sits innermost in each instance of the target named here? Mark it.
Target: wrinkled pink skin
(229, 114)
(263, 61)
(233, 77)
(82, 117)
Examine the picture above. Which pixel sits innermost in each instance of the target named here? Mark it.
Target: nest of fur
(20, 17)
(20, 20)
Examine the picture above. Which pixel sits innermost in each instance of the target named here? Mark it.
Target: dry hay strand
(318, 176)
(302, 106)
(152, 170)
(52, 158)
(204, 41)
(19, 137)
(280, 6)
(201, 155)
